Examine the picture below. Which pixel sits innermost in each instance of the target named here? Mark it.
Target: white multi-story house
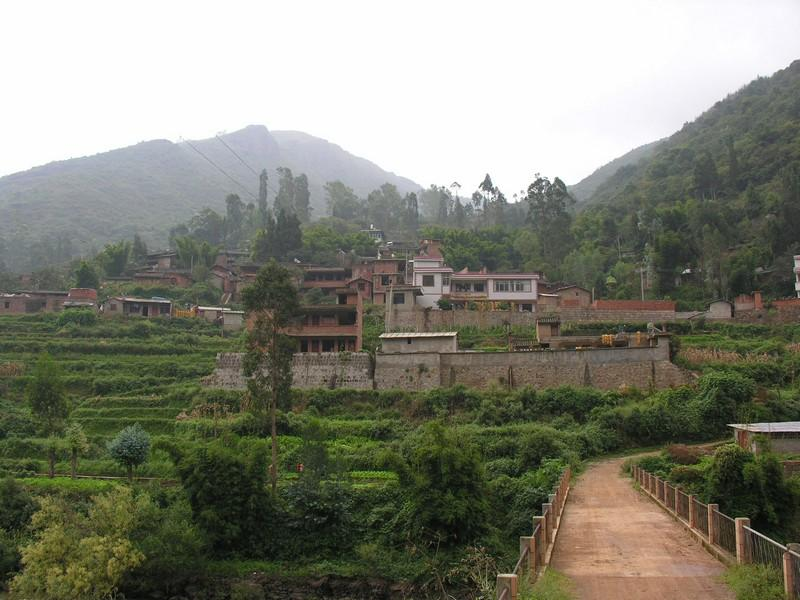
(433, 278)
(464, 288)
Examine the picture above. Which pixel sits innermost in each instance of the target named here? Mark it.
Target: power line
(220, 169)
(252, 170)
(241, 160)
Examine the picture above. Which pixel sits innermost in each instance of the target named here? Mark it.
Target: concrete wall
(419, 344)
(309, 370)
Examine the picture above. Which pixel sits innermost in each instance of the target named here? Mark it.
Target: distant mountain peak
(151, 186)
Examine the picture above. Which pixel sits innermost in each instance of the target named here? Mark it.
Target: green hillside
(66, 208)
(586, 187)
(721, 198)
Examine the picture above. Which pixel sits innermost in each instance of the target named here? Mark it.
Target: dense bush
(225, 483)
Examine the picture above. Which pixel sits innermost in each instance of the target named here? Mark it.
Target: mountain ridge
(73, 206)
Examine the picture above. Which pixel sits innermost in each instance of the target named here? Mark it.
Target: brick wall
(658, 305)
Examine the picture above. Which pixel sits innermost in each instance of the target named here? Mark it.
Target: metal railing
(669, 495)
(534, 549)
(732, 538)
(762, 550)
(726, 531)
(701, 516)
(682, 504)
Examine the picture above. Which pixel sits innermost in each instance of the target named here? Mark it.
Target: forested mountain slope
(586, 187)
(720, 197)
(65, 208)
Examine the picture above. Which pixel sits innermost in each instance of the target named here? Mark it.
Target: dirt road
(616, 544)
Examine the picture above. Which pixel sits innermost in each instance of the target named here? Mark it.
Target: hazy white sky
(434, 90)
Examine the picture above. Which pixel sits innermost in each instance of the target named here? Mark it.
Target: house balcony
(468, 295)
(324, 331)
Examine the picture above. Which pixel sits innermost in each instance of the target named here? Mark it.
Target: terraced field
(117, 373)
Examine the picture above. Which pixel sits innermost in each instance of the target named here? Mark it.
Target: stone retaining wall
(604, 368)
(310, 370)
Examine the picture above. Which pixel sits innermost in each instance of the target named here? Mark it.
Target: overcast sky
(433, 90)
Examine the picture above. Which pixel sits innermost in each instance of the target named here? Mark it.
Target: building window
(446, 279)
(165, 309)
(361, 286)
(408, 340)
(399, 298)
(386, 280)
(7, 304)
(427, 281)
(112, 306)
(480, 287)
(512, 285)
(327, 345)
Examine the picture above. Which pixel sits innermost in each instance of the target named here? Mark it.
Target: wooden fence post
(712, 530)
(675, 499)
(529, 542)
(506, 581)
(547, 511)
(692, 513)
(742, 549)
(788, 570)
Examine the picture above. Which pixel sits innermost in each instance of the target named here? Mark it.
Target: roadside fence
(534, 550)
(733, 539)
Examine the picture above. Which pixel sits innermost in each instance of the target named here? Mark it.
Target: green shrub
(84, 317)
(755, 582)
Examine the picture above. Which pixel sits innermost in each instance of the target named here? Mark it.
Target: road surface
(616, 544)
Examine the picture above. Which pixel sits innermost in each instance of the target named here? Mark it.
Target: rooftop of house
(313, 269)
(425, 334)
(781, 427)
(483, 274)
(43, 292)
(403, 287)
(143, 300)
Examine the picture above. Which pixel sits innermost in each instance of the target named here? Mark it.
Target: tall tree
(342, 201)
(86, 276)
(412, 213)
(284, 200)
(263, 185)
(271, 303)
(48, 400)
(114, 258)
(302, 198)
(139, 250)
(77, 443)
(264, 244)
(548, 211)
(234, 219)
(443, 209)
(288, 236)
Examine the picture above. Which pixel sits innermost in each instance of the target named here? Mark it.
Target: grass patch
(755, 582)
(550, 586)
